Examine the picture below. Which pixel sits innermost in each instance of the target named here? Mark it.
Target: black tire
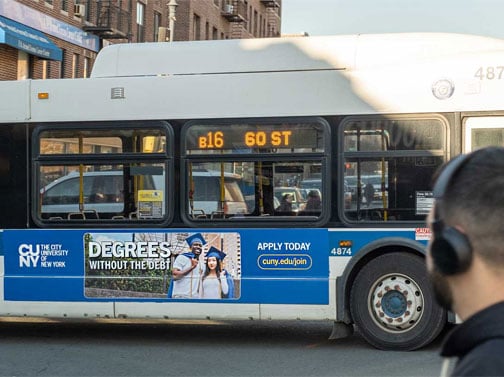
(392, 304)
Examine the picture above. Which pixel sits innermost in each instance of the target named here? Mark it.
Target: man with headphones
(465, 259)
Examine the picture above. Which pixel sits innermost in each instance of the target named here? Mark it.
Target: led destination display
(252, 138)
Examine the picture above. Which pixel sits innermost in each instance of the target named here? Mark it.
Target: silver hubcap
(396, 303)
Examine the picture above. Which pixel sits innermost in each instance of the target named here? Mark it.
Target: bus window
(483, 131)
(388, 166)
(100, 186)
(254, 166)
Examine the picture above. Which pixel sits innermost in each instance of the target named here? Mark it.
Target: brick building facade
(61, 38)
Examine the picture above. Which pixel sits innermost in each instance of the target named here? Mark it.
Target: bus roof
(281, 77)
(343, 52)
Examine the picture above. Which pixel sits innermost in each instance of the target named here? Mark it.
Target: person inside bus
(214, 282)
(187, 269)
(286, 203)
(369, 193)
(313, 203)
(465, 259)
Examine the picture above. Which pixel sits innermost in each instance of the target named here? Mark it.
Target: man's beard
(442, 291)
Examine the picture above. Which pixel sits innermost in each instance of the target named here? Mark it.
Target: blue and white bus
(104, 179)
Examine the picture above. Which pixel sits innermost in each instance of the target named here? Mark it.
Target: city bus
(104, 180)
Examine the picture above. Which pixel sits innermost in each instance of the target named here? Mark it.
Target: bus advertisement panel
(288, 267)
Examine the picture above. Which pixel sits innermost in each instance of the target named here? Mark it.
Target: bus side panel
(14, 106)
(265, 266)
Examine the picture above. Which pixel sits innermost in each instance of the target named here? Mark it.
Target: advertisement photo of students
(178, 265)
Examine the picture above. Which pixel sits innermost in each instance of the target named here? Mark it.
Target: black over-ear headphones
(450, 249)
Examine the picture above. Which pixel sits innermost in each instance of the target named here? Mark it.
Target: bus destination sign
(243, 137)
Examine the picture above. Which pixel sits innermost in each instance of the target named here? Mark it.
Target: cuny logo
(29, 255)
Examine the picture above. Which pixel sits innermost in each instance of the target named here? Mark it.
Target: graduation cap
(214, 252)
(197, 237)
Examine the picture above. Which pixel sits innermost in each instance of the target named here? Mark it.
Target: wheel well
(364, 256)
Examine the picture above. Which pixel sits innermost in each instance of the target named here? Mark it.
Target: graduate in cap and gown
(216, 282)
(187, 269)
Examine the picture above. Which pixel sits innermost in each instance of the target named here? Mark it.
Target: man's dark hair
(474, 201)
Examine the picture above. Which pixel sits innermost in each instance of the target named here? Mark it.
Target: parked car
(351, 181)
(103, 193)
(311, 183)
(207, 193)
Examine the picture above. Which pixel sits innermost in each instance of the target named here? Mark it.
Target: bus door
(481, 132)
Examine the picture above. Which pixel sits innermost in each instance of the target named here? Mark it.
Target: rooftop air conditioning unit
(79, 10)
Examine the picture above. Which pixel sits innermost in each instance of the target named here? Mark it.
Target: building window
(86, 67)
(157, 24)
(246, 7)
(64, 5)
(75, 66)
(140, 22)
(255, 23)
(215, 33)
(196, 27)
(31, 66)
(216, 2)
(62, 63)
(46, 69)
(249, 16)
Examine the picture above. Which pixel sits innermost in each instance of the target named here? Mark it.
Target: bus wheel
(392, 304)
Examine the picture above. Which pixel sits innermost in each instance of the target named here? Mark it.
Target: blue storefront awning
(27, 39)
